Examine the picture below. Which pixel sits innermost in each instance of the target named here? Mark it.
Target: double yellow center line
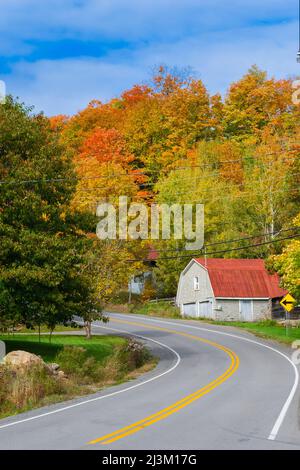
(164, 413)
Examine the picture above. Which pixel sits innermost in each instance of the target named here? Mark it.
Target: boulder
(54, 367)
(290, 323)
(22, 359)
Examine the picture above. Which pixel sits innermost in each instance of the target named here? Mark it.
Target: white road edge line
(278, 423)
(65, 408)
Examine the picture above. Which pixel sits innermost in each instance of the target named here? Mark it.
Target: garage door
(190, 310)
(246, 310)
(205, 309)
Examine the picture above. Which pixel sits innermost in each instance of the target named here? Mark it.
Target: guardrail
(167, 299)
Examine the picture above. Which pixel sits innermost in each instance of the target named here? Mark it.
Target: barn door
(189, 310)
(205, 309)
(246, 310)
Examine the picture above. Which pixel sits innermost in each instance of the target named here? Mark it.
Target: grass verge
(98, 346)
(87, 365)
(155, 309)
(44, 329)
(267, 329)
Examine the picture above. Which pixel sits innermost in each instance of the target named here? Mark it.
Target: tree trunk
(88, 329)
(50, 336)
(129, 292)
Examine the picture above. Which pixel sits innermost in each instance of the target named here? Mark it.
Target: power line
(96, 199)
(243, 193)
(225, 242)
(255, 245)
(191, 179)
(193, 255)
(136, 172)
(298, 54)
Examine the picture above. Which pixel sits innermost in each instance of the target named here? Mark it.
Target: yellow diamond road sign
(288, 303)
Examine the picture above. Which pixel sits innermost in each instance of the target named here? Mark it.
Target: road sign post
(288, 303)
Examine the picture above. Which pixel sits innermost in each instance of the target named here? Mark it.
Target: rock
(53, 368)
(22, 359)
(290, 323)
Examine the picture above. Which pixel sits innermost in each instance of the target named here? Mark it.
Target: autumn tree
(287, 264)
(255, 102)
(270, 184)
(167, 122)
(169, 141)
(103, 170)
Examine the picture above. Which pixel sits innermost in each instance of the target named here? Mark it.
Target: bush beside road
(159, 308)
(81, 367)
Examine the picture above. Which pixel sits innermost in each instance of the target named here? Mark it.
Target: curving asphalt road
(214, 388)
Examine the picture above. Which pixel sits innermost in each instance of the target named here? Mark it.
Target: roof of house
(152, 255)
(242, 278)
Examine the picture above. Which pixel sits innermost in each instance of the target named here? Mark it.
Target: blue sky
(60, 54)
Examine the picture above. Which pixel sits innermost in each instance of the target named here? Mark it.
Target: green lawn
(44, 329)
(265, 330)
(99, 346)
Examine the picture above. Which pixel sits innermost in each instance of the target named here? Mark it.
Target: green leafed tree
(288, 265)
(44, 272)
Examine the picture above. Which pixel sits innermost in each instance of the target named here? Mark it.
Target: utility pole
(298, 55)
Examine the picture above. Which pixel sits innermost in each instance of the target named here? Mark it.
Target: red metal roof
(242, 278)
(152, 255)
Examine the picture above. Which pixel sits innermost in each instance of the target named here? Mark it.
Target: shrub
(160, 308)
(268, 322)
(122, 297)
(149, 291)
(20, 389)
(26, 388)
(71, 358)
(131, 355)
(76, 362)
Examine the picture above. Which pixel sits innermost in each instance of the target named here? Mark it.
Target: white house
(136, 284)
(228, 289)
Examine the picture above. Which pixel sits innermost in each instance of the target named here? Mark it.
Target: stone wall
(231, 310)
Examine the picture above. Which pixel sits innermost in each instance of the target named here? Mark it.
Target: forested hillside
(171, 141)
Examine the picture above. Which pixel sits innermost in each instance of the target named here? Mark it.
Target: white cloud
(65, 86)
(219, 40)
(134, 20)
(222, 57)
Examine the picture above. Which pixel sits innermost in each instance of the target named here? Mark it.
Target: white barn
(228, 289)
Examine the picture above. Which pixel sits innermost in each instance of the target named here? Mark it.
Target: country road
(214, 388)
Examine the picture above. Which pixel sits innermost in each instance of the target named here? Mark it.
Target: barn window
(196, 283)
